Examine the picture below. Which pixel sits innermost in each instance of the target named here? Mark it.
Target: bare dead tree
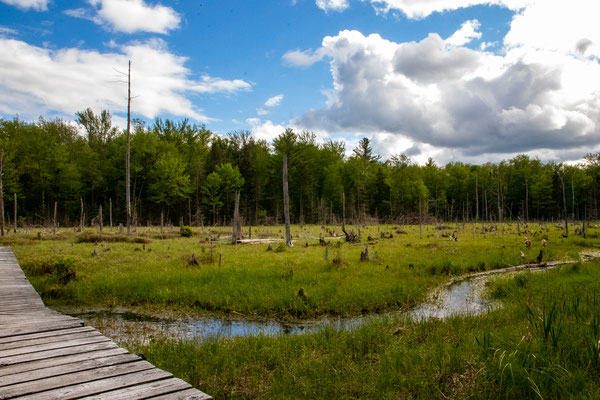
(286, 203)
(81, 215)
(54, 222)
(1, 193)
(128, 152)
(100, 217)
(237, 226)
(110, 212)
(420, 220)
(15, 219)
(476, 198)
(162, 220)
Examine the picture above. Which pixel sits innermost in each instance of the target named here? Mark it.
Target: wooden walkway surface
(47, 355)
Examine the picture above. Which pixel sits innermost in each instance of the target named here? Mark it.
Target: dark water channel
(464, 297)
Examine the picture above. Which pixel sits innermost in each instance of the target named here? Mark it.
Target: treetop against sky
(468, 80)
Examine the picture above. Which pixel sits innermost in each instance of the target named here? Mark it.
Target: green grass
(542, 344)
(255, 282)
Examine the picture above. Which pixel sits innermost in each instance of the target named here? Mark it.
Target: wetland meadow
(263, 320)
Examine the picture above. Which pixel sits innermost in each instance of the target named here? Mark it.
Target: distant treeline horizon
(187, 172)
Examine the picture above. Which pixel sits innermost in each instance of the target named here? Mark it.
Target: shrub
(281, 247)
(64, 269)
(187, 231)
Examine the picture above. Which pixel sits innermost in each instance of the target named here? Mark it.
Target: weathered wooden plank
(6, 299)
(13, 339)
(51, 346)
(145, 390)
(100, 386)
(15, 301)
(9, 321)
(6, 332)
(57, 353)
(189, 394)
(6, 294)
(60, 360)
(50, 339)
(37, 316)
(63, 369)
(66, 380)
(25, 306)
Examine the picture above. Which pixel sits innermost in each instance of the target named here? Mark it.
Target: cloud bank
(418, 9)
(37, 5)
(129, 16)
(36, 81)
(539, 92)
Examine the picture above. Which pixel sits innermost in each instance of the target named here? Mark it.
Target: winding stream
(461, 296)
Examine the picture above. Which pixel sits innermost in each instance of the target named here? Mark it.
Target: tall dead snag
(54, 222)
(1, 193)
(162, 220)
(237, 224)
(286, 203)
(420, 220)
(476, 199)
(127, 156)
(343, 211)
(100, 217)
(110, 212)
(81, 215)
(15, 219)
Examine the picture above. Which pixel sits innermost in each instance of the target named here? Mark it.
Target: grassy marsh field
(542, 343)
(255, 282)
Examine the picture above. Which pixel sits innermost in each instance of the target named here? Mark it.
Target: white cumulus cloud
(304, 58)
(129, 16)
(38, 5)
(568, 27)
(332, 5)
(467, 32)
(266, 130)
(437, 94)
(271, 103)
(36, 81)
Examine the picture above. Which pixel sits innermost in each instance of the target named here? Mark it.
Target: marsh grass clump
(64, 270)
(88, 237)
(38, 267)
(339, 262)
(53, 274)
(280, 248)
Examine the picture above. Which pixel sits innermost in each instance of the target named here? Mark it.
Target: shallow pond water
(464, 297)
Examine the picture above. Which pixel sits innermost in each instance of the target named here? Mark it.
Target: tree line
(183, 170)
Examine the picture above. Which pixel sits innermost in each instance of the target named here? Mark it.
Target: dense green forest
(191, 173)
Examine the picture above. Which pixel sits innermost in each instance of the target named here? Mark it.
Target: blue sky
(470, 80)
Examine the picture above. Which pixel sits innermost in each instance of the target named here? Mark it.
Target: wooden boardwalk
(47, 355)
